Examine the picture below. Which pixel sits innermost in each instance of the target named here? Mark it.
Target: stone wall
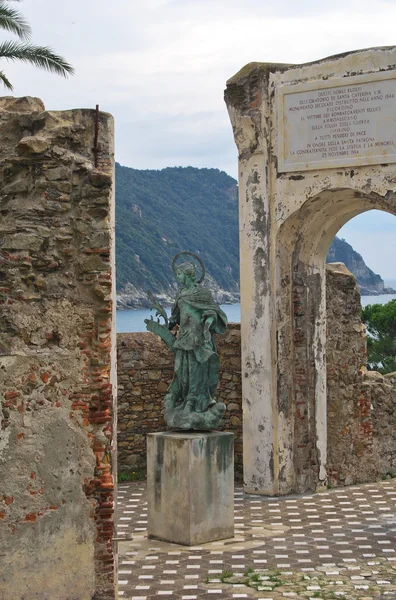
(145, 369)
(57, 362)
(361, 405)
(383, 400)
(350, 450)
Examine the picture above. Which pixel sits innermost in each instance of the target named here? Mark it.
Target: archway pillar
(257, 276)
(293, 198)
(257, 333)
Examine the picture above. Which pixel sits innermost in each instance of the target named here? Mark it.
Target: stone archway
(289, 215)
(301, 340)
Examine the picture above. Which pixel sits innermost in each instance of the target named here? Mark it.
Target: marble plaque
(348, 122)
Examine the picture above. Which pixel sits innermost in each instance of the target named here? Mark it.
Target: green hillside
(160, 213)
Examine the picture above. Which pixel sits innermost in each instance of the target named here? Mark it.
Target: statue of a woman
(189, 402)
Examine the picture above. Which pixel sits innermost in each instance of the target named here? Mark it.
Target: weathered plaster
(283, 303)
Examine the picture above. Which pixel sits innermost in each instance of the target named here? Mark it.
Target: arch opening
(300, 281)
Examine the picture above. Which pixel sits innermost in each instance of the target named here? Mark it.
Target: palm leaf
(40, 56)
(12, 20)
(4, 79)
(161, 312)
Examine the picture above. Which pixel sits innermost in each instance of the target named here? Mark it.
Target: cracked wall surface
(57, 360)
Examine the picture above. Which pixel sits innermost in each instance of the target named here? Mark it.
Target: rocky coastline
(377, 291)
(131, 297)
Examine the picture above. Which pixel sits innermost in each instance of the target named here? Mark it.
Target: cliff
(370, 283)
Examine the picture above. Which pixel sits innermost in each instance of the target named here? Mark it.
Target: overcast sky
(160, 67)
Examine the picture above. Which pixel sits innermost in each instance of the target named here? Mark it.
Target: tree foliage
(380, 321)
(12, 20)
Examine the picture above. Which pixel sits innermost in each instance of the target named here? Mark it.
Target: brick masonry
(56, 354)
(361, 407)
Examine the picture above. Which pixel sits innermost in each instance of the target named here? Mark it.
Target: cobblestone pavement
(331, 545)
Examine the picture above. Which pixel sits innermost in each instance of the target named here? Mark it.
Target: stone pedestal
(190, 486)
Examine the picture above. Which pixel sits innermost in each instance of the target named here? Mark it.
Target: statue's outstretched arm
(162, 331)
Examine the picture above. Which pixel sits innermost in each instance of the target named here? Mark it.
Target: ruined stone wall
(350, 450)
(383, 401)
(145, 370)
(56, 355)
(361, 405)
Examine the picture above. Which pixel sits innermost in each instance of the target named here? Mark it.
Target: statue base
(207, 420)
(190, 486)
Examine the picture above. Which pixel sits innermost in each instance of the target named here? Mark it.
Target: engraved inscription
(339, 126)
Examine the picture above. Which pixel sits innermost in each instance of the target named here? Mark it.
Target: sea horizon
(131, 320)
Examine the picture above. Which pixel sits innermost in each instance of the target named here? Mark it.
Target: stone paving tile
(335, 544)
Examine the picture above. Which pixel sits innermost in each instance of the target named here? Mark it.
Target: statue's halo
(174, 265)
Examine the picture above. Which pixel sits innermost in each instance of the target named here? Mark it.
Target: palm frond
(40, 56)
(5, 81)
(12, 20)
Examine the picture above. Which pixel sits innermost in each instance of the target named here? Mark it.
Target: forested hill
(160, 213)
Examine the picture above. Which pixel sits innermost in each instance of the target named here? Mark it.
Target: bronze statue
(189, 402)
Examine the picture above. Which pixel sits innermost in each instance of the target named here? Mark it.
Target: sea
(133, 320)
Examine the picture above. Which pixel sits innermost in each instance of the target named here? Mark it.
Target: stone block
(190, 485)
(33, 144)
